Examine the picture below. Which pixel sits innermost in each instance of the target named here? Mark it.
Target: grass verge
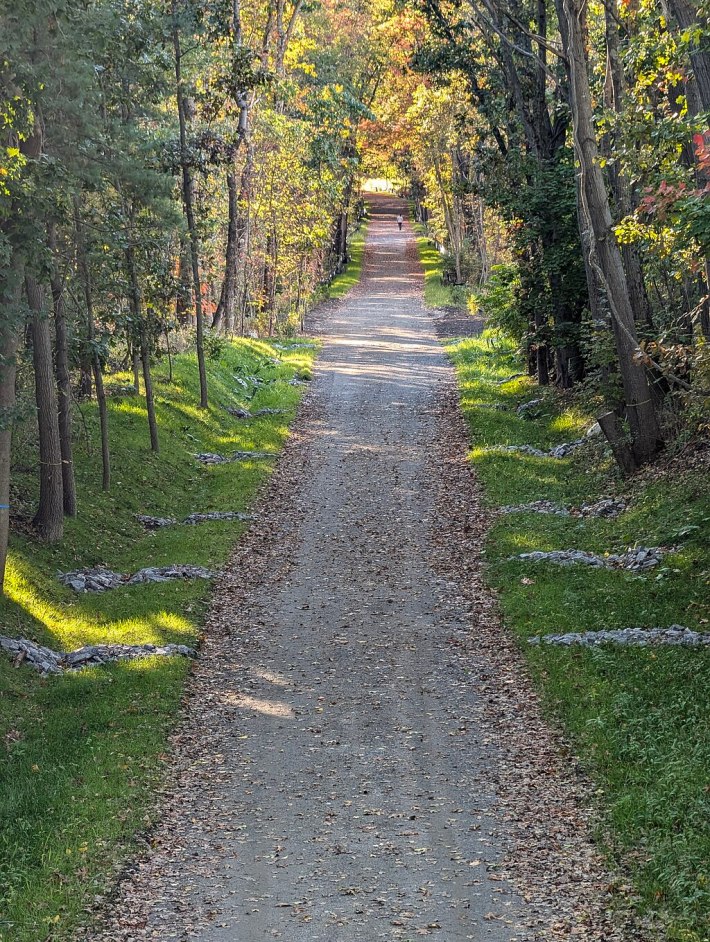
(348, 278)
(639, 718)
(82, 753)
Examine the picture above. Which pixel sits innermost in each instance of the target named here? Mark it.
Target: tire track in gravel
(361, 756)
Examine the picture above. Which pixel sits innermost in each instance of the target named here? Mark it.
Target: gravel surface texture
(361, 755)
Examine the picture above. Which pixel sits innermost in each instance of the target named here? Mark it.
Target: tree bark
(614, 88)
(685, 13)
(188, 197)
(61, 356)
(144, 347)
(224, 315)
(9, 340)
(94, 356)
(605, 255)
(49, 518)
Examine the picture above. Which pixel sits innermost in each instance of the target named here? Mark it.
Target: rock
(523, 450)
(606, 507)
(246, 414)
(633, 560)
(594, 431)
(526, 407)
(166, 573)
(218, 515)
(207, 457)
(98, 579)
(101, 580)
(46, 661)
(561, 451)
(509, 379)
(155, 523)
(642, 637)
(536, 506)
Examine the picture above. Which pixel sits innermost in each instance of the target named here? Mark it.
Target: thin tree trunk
(614, 87)
(138, 315)
(188, 197)
(95, 359)
(224, 315)
(63, 380)
(9, 340)
(687, 15)
(606, 256)
(49, 518)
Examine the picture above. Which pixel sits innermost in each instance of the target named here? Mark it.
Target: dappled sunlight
(127, 408)
(273, 708)
(70, 626)
(271, 676)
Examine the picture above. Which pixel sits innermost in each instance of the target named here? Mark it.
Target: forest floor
(362, 754)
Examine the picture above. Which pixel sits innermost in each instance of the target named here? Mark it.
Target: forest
(182, 184)
(175, 175)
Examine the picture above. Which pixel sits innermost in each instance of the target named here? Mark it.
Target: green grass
(639, 719)
(83, 753)
(348, 278)
(436, 293)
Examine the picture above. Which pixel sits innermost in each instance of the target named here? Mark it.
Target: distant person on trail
(400, 220)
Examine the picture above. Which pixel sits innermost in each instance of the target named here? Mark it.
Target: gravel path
(361, 756)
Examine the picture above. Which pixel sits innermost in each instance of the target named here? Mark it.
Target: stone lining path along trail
(361, 756)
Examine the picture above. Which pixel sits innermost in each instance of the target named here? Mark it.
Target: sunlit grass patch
(82, 752)
(639, 718)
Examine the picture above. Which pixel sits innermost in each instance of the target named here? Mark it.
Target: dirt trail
(353, 764)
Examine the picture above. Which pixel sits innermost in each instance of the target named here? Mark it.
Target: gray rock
(46, 661)
(536, 506)
(98, 579)
(207, 457)
(167, 573)
(101, 580)
(218, 515)
(633, 560)
(606, 507)
(641, 637)
(155, 523)
(561, 451)
(258, 413)
(594, 431)
(530, 406)
(509, 379)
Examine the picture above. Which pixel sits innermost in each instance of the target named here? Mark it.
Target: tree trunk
(605, 255)
(614, 87)
(139, 319)
(95, 359)
(188, 197)
(49, 519)
(686, 15)
(148, 383)
(63, 380)
(9, 340)
(224, 315)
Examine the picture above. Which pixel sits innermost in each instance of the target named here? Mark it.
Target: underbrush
(639, 718)
(82, 753)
